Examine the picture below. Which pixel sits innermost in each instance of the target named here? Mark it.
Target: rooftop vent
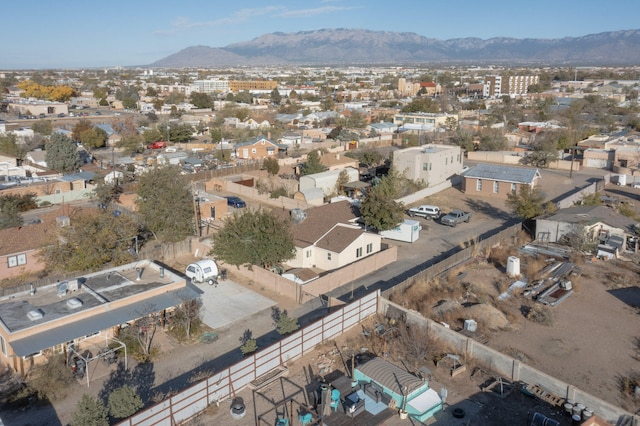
(62, 288)
(35, 314)
(298, 215)
(73, 285)
(74, 303)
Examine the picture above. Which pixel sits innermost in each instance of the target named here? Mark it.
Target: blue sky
(79, 33)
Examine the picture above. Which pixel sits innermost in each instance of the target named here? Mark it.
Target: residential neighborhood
(303, 186)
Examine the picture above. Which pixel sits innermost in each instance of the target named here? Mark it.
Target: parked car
(426, 211)
(236, 202)
(157, 145)
(455, 217)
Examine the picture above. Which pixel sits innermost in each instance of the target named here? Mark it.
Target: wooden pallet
(545, 396)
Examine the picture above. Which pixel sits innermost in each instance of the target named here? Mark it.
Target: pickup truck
(428, 212)
(455, 217)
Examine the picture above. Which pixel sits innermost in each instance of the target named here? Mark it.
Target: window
(253, 150)
(328, 256)
(446, 161)
(513, 188)
(479, 185)
(359, 252)
(425, 166)
(495, 186)
(3, 346)
(308, 254)
(369, 248)
(20, 259)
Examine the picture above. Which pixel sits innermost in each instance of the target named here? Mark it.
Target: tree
(106, 193)
(124, 402)
(201, 100)
(342, 180)
(370, 158)
(89, 411)
(283, 322)
(313, 164)
(10, 216)
(275, 96)
(527, 203)
(188, 313)
(254, 237)
(249, 344)
(62, 154)
(82, 126)
(421, 104)
(380, 210)
(51, 380)
(272, 165)
(43, 127)
(94, 138)
(9, 145)
(165, 203)
(91, 241)
(544, 153)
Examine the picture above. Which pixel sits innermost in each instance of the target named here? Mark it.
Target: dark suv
(236, 202)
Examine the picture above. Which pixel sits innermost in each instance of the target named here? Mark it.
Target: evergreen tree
(62, 154)
(89, 411)
(124, 402)
(165, 203)
(313, 164)
(254, 237)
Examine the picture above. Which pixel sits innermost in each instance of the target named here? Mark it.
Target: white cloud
(183, 24)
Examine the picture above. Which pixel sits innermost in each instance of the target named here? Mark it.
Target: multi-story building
(249, 85)
(210, 86)
(432, 164)
(495, 85)
(422, 120)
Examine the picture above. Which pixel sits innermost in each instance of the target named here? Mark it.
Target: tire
(454, 224)
(458, 413)
(468, 219)
(411, 214)
(211, 282)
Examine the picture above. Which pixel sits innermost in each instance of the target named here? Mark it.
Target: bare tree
(147, 327)
(188, 312)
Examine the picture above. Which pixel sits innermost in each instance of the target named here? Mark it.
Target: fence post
(515, 371)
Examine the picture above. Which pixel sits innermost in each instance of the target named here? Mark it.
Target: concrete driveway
(230, 302)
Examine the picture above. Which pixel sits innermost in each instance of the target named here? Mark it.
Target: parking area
(229, 302)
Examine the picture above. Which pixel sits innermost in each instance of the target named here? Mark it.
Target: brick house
(497, 181)
(257, 148)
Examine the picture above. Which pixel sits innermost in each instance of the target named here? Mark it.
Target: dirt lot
(590, 340)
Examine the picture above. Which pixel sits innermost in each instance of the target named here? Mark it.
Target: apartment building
(495, 85)
(249, 85)
(210, 86)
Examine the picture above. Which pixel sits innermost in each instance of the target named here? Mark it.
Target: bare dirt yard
(590, 340)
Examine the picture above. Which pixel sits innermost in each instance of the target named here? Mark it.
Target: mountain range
(356, 46)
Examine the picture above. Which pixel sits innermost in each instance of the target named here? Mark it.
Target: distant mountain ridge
(356, 46)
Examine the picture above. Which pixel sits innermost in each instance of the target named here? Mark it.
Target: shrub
(124, 402)
(540, 314)
(89, 411)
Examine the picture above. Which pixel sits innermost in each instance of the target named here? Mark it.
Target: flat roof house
(84, 312)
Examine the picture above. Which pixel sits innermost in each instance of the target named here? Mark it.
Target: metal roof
(96, 323)
(503, 173)
(390, 376)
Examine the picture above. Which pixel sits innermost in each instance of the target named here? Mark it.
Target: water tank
(566, 285)
(513, 266)
(470, 325)
(622, 180)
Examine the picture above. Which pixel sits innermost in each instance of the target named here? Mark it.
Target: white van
(204, 270)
